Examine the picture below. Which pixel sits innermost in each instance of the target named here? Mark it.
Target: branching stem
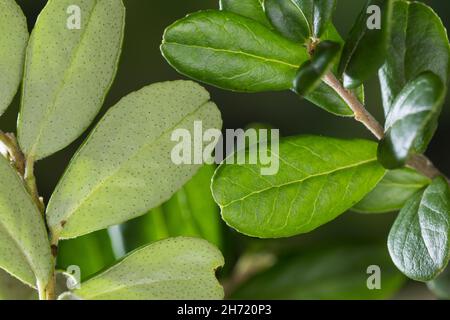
(419, 162)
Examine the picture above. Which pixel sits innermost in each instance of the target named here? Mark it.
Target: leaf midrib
(254, 56)
(299, 181)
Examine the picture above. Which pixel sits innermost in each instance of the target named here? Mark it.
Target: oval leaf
(231, 52)
(252, 9)
(24, 246)
(176, 268)
(191, 212)
(68, 72)
(13, 41)
(311, 72)
(391, 194)
(318, 179)
(366, 46)
(415, 27)
(291, 18)
(125, 167)
(419, 239)
(413, 113)
(327, 273)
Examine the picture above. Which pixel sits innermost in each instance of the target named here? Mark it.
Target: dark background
(142, 64)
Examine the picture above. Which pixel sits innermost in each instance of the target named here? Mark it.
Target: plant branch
(30, 182)
(14, 153)
(361, 114)
(419, 162)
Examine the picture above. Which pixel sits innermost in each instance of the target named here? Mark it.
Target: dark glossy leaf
(393, 191)
(419, 239)
(410, 118)
(291, 18)
(252, 9)
(318, 179)
(299, 20)
(91, 253)
(418, 43)
(331, 273)
(366, 46)
(232, 52)
(322, 14)
(190, 212)
(441, 285)
(310, 74)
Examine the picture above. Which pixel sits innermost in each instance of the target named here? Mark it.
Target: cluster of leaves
(267, 45)
(122, 170)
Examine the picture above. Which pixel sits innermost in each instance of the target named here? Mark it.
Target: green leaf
(322, 15)
(13, 42)
(190, 212)
(24, 246)
(125, 167)
(299, 20)
(68, 72)
(91, 253)
(419, 239)
(252, 9)
(176, 268)
(441, 285)
(231, 52)
(391, 194)
(13, 289)
(415, 30)
(318, 179)
(413, 113)
(310, 74)
(328, 273)
(365, 49)
(291, 18)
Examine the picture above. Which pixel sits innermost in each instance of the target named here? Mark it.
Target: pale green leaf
(318, 179)
(13, 41)
(125, 167)
(175, 268)
(391, 194)
(13, 289)
(24, 246)
(419, 239)
(68, 72)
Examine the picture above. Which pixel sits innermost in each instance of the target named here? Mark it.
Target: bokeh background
(142, 64)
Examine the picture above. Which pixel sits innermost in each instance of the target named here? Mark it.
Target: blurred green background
(142, 64)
